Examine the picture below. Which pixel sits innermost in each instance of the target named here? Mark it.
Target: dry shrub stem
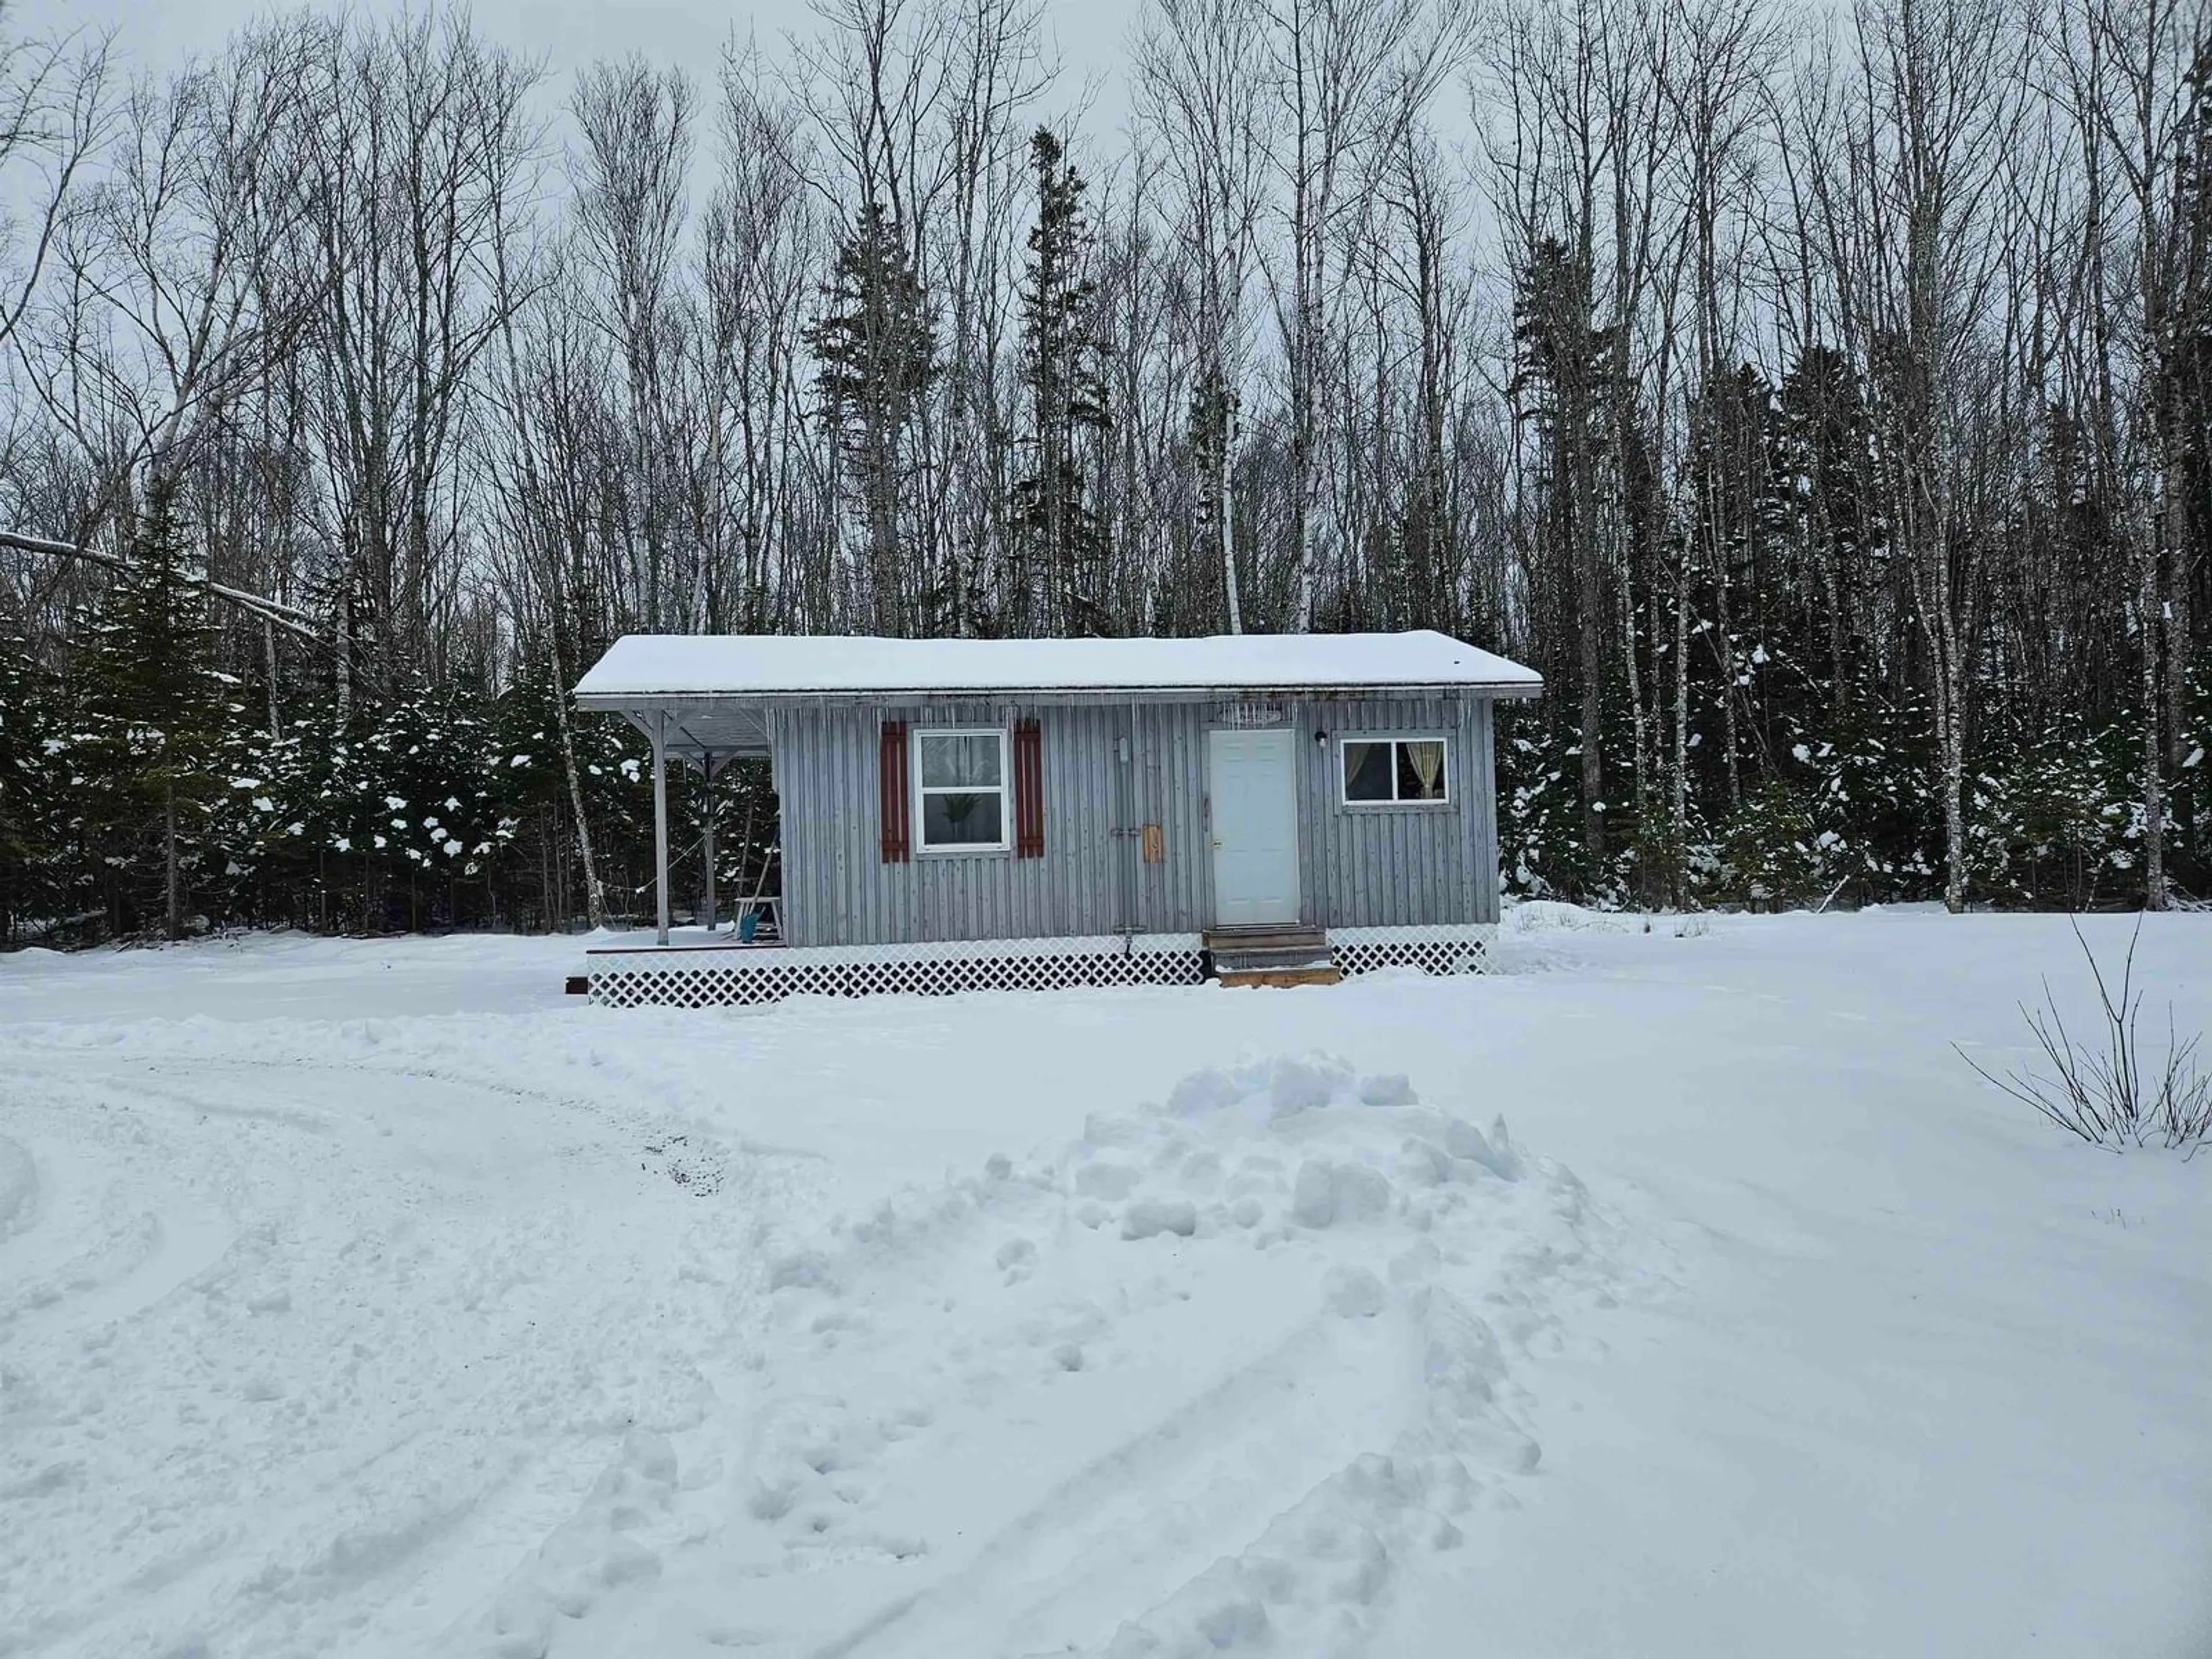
(2114, 1093)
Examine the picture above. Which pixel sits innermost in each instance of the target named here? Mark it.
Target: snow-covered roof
(642, 668)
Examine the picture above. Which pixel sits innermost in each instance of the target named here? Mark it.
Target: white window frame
(1346, 739)
(923, 792)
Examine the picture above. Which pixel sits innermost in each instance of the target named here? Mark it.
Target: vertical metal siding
(1482, 725)
(1176, 896)
(1370, 868)
(1381, 866)
(838, 891)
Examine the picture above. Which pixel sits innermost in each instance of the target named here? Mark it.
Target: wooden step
(1242, 961)
(1277, 955)
(1323, 973)
(1272, 937)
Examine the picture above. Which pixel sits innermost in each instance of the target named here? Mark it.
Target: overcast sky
(1090, 34)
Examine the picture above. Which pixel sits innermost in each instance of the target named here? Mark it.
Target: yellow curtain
(1428, 760)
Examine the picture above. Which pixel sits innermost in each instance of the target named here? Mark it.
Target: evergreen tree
(434, 816)
(1725, 477)
(877, 348)
(31, 794)
(1562, 376)
(2054, 821)
(1872, 772)
(156, 712)
(1774, 855)
(1542, 850)
(542, 858)
(252, 873)
(1822, 466)
(1067, 402)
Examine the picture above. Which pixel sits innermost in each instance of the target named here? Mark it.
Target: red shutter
(1028, 790)
(893, 802)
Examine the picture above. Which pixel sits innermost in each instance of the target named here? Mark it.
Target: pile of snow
(1210, 1379)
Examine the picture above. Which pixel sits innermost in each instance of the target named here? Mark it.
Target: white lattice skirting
(708, 977)
(1447, 948)
(704, 978)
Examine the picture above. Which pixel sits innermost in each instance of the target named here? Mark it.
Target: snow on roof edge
(659, 666)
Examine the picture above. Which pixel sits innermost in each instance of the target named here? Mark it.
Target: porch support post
(707, 813)
(660, 817)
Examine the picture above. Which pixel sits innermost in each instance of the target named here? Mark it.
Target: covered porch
(698, 742)
(736, 947)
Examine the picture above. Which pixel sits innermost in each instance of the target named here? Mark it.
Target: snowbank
(1211, 1377)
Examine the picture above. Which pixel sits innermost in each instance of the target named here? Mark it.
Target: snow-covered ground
(377, 1299)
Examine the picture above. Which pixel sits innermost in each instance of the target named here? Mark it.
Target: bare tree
(1352, 79)
(1573, 103)
(176, 291)
(630, 178)
(421, 140)
(1714, 83)
(763, 247)
(55, 115)
(1209, 115)
(999, 73)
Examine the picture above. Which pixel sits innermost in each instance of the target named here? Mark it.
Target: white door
(1256, 827)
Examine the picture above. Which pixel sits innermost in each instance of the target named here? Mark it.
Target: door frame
(1288, 733)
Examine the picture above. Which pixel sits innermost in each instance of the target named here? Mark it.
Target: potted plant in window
(958, 809)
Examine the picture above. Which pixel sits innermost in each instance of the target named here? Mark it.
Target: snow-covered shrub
(1774, 854)
(2191, 784)
(1543, 844)
(1872, 780)
(2112, 1086)
(1539, 841)
(2057, 822)
(391, 820)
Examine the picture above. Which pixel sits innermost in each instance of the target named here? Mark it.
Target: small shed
(958, 813)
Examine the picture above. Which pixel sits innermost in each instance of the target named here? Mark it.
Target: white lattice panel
(1440, 950)
(705, 979)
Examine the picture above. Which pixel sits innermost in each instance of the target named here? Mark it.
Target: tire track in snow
(330, 1497)
(86, 1246)
(1157, 1503)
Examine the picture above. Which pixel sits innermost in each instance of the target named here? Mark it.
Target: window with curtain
(960, 790)
(1394, 772)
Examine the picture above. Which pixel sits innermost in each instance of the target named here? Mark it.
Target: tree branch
(290, 617)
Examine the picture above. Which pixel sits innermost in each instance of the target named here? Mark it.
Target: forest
(1821, 400)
